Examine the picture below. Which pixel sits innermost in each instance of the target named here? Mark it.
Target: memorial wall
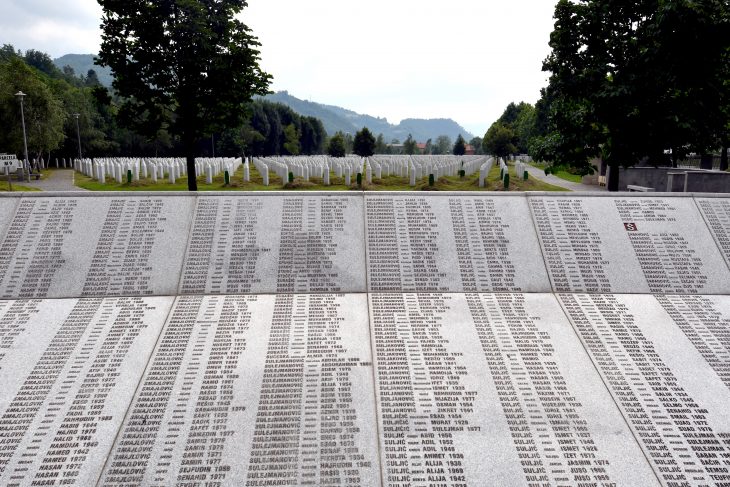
(364, 339)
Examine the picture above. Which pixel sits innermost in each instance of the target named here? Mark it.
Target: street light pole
(78, 133)
(22, 95)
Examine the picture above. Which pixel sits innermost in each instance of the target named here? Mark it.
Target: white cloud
(464, 59)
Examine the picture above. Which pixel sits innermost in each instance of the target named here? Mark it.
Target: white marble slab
(716, 212)
(68, 370)
(665, 361)
(275, 243)
(95, 246)
(250, 390)
(628, 244)
(493, 389)
(450, 243)
(7, 210)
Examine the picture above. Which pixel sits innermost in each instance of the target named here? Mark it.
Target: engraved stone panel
(94, 246)
(493, 389)
(452, 244)
(665, 361)
(68, 371)
(275, 243)
(627, 244)
(716, 212)
(7, 210)
(256, 391)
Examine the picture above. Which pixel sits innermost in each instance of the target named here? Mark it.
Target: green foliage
(443, 145)
(409, 146)
(336, 146)
(188, 65)
(380, 146)
(634, 82)
(459, 146)
(364, 143)
(44, 114)
(476, 143)
(498, 141)
(291, 140)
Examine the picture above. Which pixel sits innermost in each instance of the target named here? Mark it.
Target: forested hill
(340, 119)
(82, 63)
(333, 117)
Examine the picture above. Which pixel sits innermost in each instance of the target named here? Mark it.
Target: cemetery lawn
(17, 188)
(562, 174)
(390, 183)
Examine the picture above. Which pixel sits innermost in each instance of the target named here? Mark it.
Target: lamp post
(78, 133)
(22, 95)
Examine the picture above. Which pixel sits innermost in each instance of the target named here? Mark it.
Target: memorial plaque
(275, 243)
(7, 210)
(716, 212)
(493, 389)
(94, 246)
(627, 244)
(68, 371)
(452, 243)
(665, 363)
(255, 391)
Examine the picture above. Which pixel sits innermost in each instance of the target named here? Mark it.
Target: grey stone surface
(68, 370)
(493, 389)
(665, 361)
(452, 244)
(7, 210)
(275, 243)
(254, 390)
(63, 246)
(716, 212)
(628, 244)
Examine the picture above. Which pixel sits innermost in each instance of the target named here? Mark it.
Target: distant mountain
(337, 118)
(333, 117)
(82, 63)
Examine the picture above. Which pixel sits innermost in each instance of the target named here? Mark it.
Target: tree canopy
(635, 80)
(336, 146)
(459, 146)
(364, 143)
(498, 140)
(189, 65)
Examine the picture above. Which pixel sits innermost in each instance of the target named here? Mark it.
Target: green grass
(389, 183)
(562, 174)
(17, 188)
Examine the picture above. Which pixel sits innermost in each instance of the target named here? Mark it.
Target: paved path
(57, 180)
(556, 181)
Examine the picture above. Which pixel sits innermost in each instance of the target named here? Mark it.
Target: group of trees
(513, 132)
(54, 95)
(634, 81)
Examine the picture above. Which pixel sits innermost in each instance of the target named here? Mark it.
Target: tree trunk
(723, 158)
(612, 184)
(706, 161)
(674, 157)
(192, 177)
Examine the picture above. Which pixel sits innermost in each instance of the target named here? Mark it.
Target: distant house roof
(421, 146)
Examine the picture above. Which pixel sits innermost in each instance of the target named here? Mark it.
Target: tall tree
(188, 64)
(364, 144)
(498, 140)
(633, 80)
(443, 145)
(409, 146)
(336, 146)
(459, 146)
(44, 115)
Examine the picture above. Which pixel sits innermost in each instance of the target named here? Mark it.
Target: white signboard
(9, 162)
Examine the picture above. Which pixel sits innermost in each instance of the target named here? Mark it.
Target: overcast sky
(461, 59)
